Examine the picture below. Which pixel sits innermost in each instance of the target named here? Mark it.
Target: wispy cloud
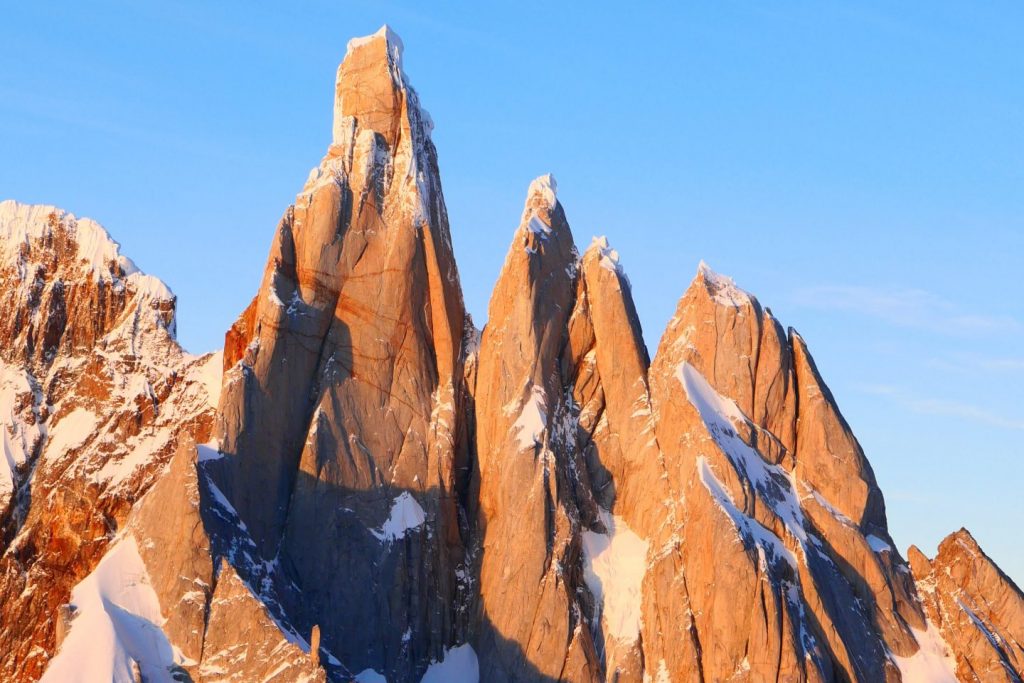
(905, 307)
(942, 407)
(970, 364)
(907, 496)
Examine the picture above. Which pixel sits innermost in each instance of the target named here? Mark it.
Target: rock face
(532, 622)
(382, 493)
(340, 415)
(785, 572)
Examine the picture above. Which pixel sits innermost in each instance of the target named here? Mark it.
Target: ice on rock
(723, 289)
(397, 48)
(546, 187)
(608, 257)
(538, 227)
(877, 544)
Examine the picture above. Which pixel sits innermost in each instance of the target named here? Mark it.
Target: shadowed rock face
(385, 487)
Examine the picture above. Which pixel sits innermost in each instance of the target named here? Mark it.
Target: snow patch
(933, 663)
(769, 545)
(608, 257)
(208, 451)
(71, 432)
(18, 437)
(459, 665)
(116, 624)
(773, 484)
(877, 544)
(823, 502)
(116, 470)
(210, 373)
(370, 676)
(614, 565)
(714, 408)
(406, 515)
(533, 420)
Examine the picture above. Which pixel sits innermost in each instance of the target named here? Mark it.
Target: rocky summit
(363, 486)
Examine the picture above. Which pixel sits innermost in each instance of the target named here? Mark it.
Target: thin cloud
(878, 389)
(907, 496)
(942, 407)
(932, 406)
(1003, 363)
(970, 364)
(906, 308)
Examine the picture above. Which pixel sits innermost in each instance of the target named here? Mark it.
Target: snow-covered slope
(94, 391)
(115, 630)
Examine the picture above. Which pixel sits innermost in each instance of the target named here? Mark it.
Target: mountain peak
(545, 187)
(23, 225)
(607, 257)
(371, 86)
(69, 285)
(962, 538)
(394, 43)
(541, 206)
(722, 288)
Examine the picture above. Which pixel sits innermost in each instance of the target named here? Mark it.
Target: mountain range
(362, 485)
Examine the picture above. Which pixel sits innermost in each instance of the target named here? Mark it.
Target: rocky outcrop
(977, 610)
(568, 460)
(735, 553)
(245, 644)
(94, 390)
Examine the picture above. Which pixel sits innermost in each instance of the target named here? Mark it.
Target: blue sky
(856, 165)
